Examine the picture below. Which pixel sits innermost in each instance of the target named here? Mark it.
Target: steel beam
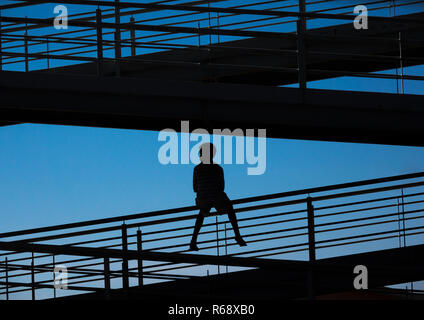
(148, 104)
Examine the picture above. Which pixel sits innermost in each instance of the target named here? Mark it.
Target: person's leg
(224, 205)
(197, 227)
(233, 219)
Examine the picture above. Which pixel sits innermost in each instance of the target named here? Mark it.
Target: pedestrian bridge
(301, 244)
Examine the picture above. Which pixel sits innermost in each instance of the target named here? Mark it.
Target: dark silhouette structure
(146, 66)
(354, 208)
(209, 184)
(227, 60)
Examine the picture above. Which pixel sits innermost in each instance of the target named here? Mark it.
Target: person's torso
(209, 180)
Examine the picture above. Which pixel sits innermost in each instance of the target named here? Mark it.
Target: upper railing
(140, 249)
(115, 32)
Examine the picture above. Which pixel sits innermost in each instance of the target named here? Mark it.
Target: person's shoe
(194, 247)
(241, 242)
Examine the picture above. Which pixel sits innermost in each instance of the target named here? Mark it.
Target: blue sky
(56, 174)
(52, 174)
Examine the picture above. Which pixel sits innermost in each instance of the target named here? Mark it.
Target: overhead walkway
(220, 65)
(334, 51)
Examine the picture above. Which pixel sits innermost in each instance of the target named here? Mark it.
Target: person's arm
(221, 180)
(195, 179)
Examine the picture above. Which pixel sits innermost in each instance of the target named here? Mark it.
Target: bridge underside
(157, 105)
(386, 267)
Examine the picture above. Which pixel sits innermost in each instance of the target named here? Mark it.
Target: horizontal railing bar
(342, 244)
(366, 209)
(44, 286)
(192, 208)
(70, 287)
(367, 235)
(331, 223)
(256, 207)
(368, 191)
(160, 256)
(271, 215)
(134, 255)
(214, 231)
(76, 57)
(126, 5)
(373, 224)
(122, 13)
(244, 236)
(159, 28)
(283, 230)
(363, 202)
(363, 74)
(366, 57)
(291, 21)
(364, 219)
(154, 232)
(280, 253)
(379, 189)
(367, 240)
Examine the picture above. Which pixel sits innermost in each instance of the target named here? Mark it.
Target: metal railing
(145, 248)
(99, 35)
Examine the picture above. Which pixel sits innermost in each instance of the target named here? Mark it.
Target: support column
(118, 52)
(140, 259)
(99, 43)
(125, 279)
(301, 47)
(312, 249)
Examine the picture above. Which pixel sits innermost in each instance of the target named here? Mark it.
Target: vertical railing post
(401, 62)
(209, 21)
(302, 10)
(403, 219)
(399, 228)
(301, 54)
(226, 244)
(99, 42)
(301, 61)
(118, 53)
(125, 280)
(47, 52)
(54, 279)
(32, 278)
(106, 269)
(218, 26)
(26, 47)
(7, 279)
(312, 252)
(140, 257)
(132, 37)
(199, 36)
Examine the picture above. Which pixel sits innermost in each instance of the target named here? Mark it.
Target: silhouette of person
(209, 184)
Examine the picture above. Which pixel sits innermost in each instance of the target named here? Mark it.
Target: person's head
(207, 153)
